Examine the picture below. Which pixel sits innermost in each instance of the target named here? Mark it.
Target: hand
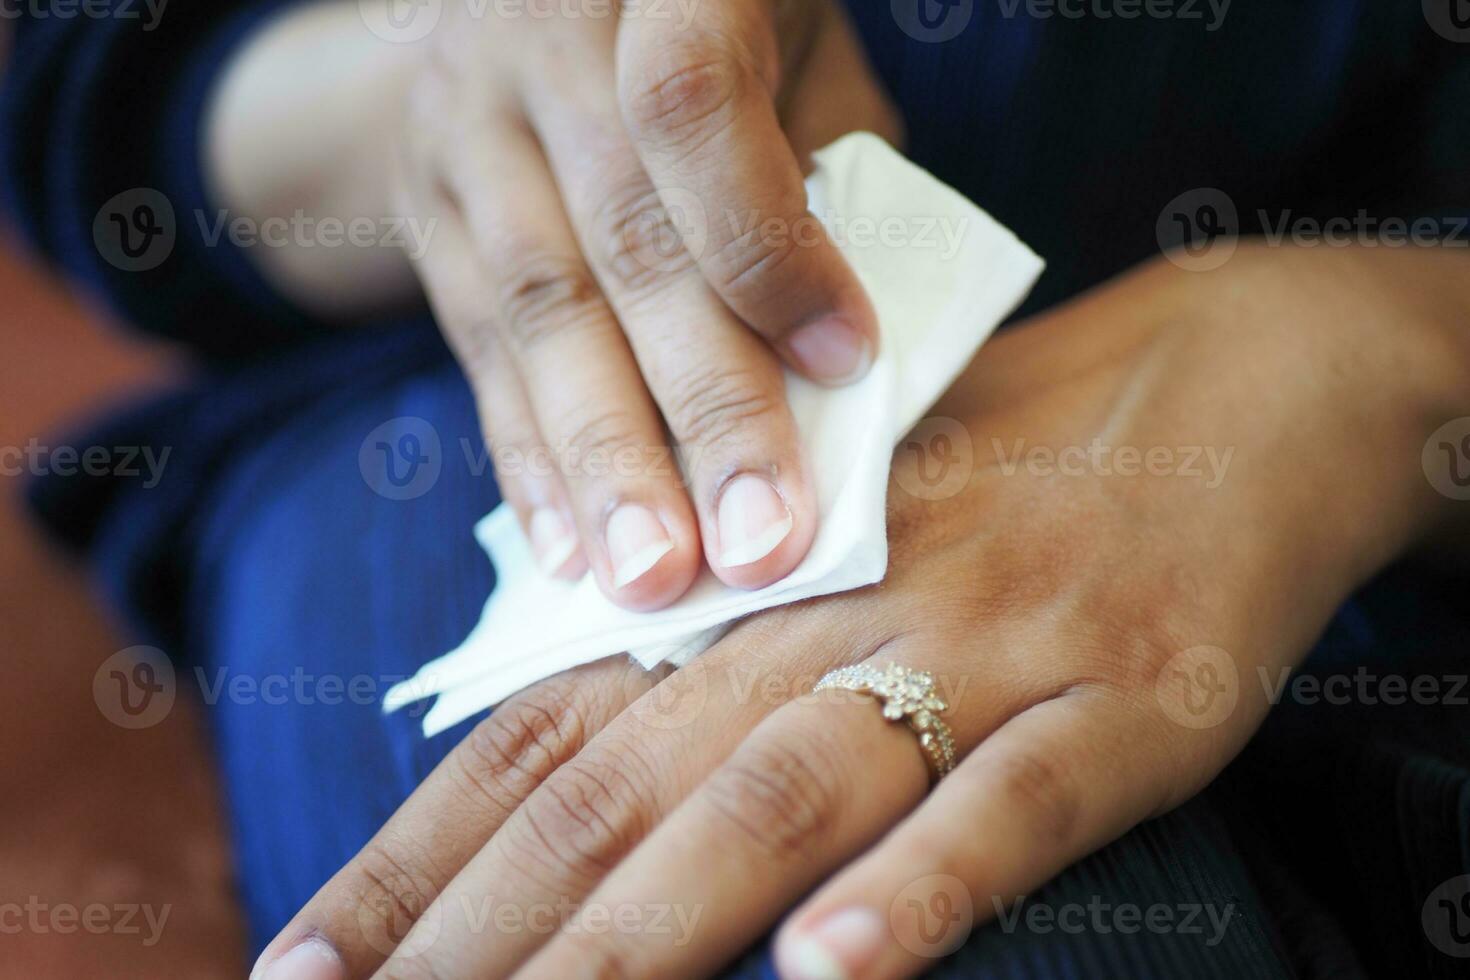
(1097, 618)
(568, 162)
(608, 216)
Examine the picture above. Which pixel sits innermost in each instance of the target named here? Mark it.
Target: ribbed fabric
(96, 107)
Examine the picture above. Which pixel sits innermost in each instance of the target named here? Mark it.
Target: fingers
(587, 817)
(814, 784)
(698, 99)
(581, 380)
(358, 917)
(528, 482)
(1055, 783)
(719, 388)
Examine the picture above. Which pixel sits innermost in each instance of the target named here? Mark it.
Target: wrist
(1431, 286)
(302, 126)
(1323, 373)
(1359, 355)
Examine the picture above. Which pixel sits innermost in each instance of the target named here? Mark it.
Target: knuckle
(781, 798)
(542, 295)
(585, 819)
(393, 892)
(518, 746)
(1127, 663)
(1128, 638)
(602, 436)
(683, 90)
(1041, 787)
(713, 404)
(636, 236)
(749, 267)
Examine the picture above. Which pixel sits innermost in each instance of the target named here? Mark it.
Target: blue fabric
(266, 553)
(96, 107)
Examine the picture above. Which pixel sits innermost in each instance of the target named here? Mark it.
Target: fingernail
(831, 349)
(834, 948)
(552, 539)
(636, 541)
(753, 520)
(311, 960)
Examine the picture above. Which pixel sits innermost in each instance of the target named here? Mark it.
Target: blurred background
(98, 821)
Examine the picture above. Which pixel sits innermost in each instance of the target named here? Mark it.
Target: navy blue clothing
(266, 550)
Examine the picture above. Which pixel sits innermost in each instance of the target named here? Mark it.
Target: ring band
(907, 695)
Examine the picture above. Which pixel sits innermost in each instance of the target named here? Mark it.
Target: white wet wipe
(942, 274)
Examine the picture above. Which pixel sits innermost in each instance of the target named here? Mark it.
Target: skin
(1067, 615)
(585, 186)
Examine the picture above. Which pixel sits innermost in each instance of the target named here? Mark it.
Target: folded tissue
(942, 274)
